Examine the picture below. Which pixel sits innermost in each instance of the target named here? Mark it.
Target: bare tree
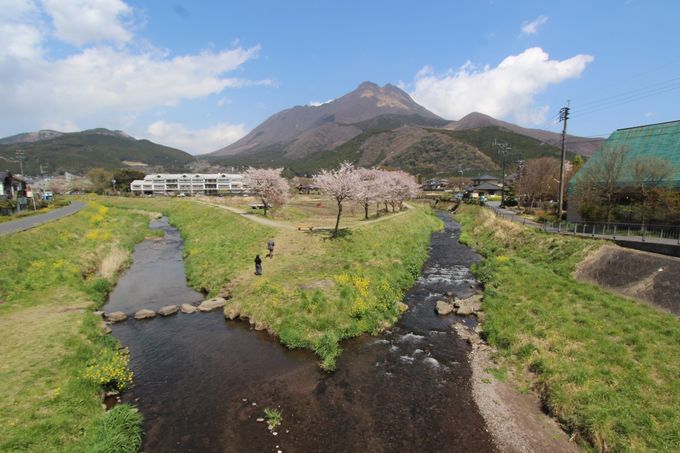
(540, 180)
(269, 186)
(340, 184)
(601, 179)
(648, 173)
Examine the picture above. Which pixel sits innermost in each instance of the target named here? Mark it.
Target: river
(201, 382)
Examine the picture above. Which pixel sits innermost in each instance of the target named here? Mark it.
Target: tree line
(616, 188)
(345, 183)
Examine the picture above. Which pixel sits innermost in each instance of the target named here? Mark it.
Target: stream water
(201, 382)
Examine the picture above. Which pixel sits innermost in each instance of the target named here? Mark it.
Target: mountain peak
(367, 85)
(341, 117)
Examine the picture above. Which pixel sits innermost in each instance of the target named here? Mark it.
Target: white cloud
(318, 103)
(61, 126)
(20, 41)
(81, 22)
(505, 91)
(531, 28)
(103, 79)
(197, 141)
(107, 81)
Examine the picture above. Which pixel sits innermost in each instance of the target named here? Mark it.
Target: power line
(626, 100)
(653, 86)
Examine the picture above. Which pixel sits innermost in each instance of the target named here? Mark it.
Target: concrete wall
(647, 277)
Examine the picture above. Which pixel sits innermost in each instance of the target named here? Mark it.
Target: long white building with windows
(188, 184)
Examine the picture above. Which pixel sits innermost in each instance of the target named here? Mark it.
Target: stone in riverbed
(468, 306)
(231, 313)
(107, 330)
(260, 326)
(212, 304)
(144, 314)
(187, 308)
(464, 310)
(98, 313)
(168, 310)
(402, 307)
(443, 307)
(116, 316)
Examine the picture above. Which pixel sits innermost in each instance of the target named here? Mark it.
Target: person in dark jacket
(270, 247)
(258, 265)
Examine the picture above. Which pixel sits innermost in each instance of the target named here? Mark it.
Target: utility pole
(564, 116)
(503, 149)
(20, 156)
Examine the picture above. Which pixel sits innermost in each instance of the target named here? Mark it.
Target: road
(26, 223)
(621, 238)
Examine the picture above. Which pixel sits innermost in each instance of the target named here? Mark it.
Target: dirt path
(246, 215)
(283, 225)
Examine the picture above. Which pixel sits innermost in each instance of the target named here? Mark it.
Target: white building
(188, 183)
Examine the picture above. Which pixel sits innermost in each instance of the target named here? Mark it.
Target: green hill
(78, 152)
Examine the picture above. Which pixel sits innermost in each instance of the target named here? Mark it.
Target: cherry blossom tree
(340, 184)
(398, 186)
(268, 185)
(368, 189)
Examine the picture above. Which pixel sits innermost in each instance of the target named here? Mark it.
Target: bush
(110, 370)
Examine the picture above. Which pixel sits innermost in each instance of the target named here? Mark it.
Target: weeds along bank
(316, 291)
(604, 365)
(54, 358)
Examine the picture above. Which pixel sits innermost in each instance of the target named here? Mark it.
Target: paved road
(26, 223)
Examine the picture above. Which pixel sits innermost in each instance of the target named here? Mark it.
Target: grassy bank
(50, 279)
(217, 243)
(605, 366)
(316, 291)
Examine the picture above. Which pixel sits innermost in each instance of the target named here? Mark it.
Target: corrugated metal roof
(660, 140)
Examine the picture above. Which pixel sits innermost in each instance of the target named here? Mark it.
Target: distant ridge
(77, 152)
(579, 145)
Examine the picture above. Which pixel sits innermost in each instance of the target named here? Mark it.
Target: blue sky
(198, 75)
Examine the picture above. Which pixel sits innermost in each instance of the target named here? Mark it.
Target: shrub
(110, 370)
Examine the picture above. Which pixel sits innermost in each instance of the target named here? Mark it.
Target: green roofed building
(660, 141)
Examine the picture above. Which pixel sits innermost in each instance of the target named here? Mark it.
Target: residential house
(435, 184)
(13, 193)
(485, 185)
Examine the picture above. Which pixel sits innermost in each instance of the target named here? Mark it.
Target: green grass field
(606, 367)
(51, 277)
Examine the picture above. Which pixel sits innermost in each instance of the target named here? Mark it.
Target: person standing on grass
(258, 265)
(270, 247)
